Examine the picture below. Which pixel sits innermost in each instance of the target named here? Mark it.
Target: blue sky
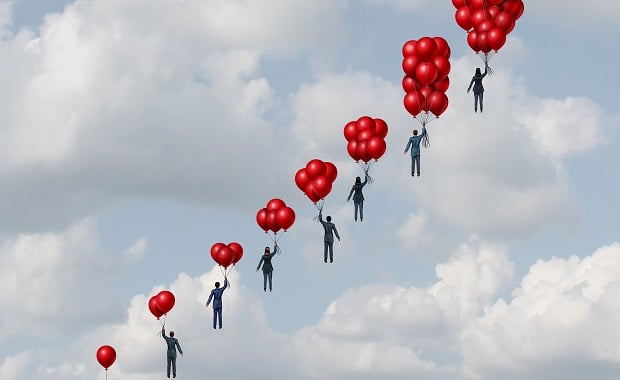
(139, 134)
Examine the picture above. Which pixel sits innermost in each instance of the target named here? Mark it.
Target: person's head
(358, 180)
(478, 71)
(329, 218)
(172, 334)
(415, 132)
(267, 250)
(217, 284)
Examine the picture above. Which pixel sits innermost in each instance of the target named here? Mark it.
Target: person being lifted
(414, 143)
(358, 197)
(328, 238)
(265, 261)
(216, 295)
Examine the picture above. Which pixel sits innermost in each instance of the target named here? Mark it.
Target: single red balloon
(331, 172)
(463, 18)
(514, 7)
(409, 64)
(362, 151)
(505, 22)
(482, 42)
(409, 48)
(286, 217)
(216, 247)
(443, 66)
(425, 48)
(479, 16)
(350, 133)
(310, 193)
(322, 186)
(225, 256)
(366, 134)
(376, 147)
(237, 250)
(381, 128)
(494, 10)
(414, 101)
(472, 40)
(437, 103)
(261, 220)
(106, 356)
(315, 168)
(410, 84)
(272, 221)
(443, 49)
(442, 85)
(364, 123)
(426, 72)
(301, 179)
(275, 204)
(165, 300)
(154, 309)
(352, 150)
(496, 38)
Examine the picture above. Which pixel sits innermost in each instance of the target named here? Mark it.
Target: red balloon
(494, 10)
(496, 38)
(350, 133)
(443, 49)
(479, 16)
(426, 92)
(331, 172)
(366, 134)
(261, 220)
(310, 193)
(154, 309)
(315, 168)
(322, 186)
(514, 7)
(476, 4)
(409, 48)
(426, 72)
(425, 48)
(505, 22)
(362, 150)
(437, 103)
(237, 251)
(463, 18)
(442, 85)
(216, 247)
(381, 128)
(272, 221)
(225, 256)
(106, 356)
(443, 66)
(409, 64)
(482, 42)
(365, 123)
(376, 147)
(301, 180)
(459, 3)
(285, 217)
(165, 299)
(275, 204)
(472, 40)
(485, 26)
(410, 84)
(352, 150)
(414, 102)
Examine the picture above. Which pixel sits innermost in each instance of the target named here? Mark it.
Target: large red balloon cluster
(106, 356)
(487, 22)
(226, 254)
(161, 303)
(366, 138)
(426, 65)
(316, 179)
(275, 216)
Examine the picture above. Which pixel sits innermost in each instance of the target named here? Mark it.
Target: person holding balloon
(265, 261)
(173, 345)
(476, 81)
(414, 143)
(358, 197)
(216, 296)
(328, 239)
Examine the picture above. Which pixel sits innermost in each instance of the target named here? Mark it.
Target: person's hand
(468, 91)
(338, 239)
(257, 270)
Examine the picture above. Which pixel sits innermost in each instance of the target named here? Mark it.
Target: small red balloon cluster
(366, 138)
(161, 303)
(275, 216)
(226, 254)
(106, 356)
(316, 179)
(426, 65)
(487, 22)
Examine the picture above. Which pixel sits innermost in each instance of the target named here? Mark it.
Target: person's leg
(331, 252)
(417, 160)
(412, 166)
(214, 317)
(265, 281)
(355, 204)
(481, 98)
(174, 367)
(270, 279)
(168, 366)
(219, 312)
(361, 210)
(325, 245)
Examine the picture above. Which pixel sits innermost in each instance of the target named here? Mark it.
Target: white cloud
(414, 234)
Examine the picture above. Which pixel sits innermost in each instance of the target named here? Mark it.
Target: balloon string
(106, 374)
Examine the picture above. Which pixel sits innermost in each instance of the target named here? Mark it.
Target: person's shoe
(265, 289)
(325, 260)
(356, 219)
(331, 260)
(168, 375)
(412, 174)
(220, 327)
(418, 174)
(269, 289)
(175, 375)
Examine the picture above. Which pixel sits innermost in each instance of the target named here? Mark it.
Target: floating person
(414, 143)
(358, 197)
(328, 239)
(265, 261)
(173, 345)
(216, 295)
(476, 81)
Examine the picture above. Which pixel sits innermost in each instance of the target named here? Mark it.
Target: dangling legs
(265, 281)
(361, 203)
(168, 366)
(412, 166)
(356, 206)
(416, 161)
(269, 274)
(477, 99)
(325, 246)
(481, 97)
(331, 252)
(174, 367)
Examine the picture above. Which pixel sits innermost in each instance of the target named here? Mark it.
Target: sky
(136, 134)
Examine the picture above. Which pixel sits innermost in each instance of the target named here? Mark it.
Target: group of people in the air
(328, 226)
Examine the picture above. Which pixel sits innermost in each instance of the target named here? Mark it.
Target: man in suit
(414, 143)
(216, 295)
(173, 345)
(265, 261)
(328, 239)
